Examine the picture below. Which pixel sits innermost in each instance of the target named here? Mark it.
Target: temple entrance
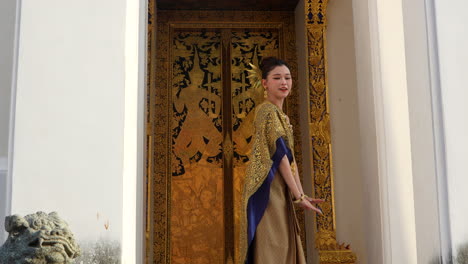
(201, 112)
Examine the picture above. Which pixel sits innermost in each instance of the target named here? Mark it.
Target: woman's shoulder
(265, 108)
(266, 113)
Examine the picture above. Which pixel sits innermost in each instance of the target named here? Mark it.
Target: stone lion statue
(38, 238)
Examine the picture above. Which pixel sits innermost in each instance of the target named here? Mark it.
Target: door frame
(159, 99)
(318, 129)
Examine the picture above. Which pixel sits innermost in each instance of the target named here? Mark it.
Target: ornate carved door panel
(211, 142)
(196, 147)
(201, 113)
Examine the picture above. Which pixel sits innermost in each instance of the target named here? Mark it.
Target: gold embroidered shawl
(270, 124)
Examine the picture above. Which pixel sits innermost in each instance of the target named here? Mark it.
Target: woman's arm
(296, 177)
(285, 171)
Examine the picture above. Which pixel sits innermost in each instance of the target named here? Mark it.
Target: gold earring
(265, 94)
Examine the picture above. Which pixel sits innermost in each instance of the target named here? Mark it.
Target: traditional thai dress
(268, 224)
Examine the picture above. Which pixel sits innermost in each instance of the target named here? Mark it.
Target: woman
(269, 228)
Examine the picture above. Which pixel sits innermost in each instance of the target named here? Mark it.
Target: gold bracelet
(298, 200)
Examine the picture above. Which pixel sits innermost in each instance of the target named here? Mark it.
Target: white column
(452, 41)
(4, 197)
(9, 26)
(133, 249)
(368, 150)
(393, 134)
(388, 100)
(427, 142)
(7, 33)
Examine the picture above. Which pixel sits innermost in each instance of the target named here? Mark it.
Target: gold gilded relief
(330, 251)
(196, 93)
(197, 174)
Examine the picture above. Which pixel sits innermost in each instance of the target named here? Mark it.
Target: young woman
(269, 227)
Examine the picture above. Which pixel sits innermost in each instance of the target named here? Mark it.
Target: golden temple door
(212, 112)
(201, 115)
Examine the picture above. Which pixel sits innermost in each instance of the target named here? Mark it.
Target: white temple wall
(345, 129)
(70, 115)
(79, 128)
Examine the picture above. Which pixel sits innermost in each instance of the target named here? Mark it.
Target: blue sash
(258, 202)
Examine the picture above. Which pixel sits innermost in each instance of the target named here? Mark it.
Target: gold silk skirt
(277, 239)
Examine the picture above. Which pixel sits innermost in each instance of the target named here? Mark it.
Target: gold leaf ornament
(255, 78)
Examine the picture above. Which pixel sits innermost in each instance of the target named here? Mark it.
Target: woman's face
(278, 83)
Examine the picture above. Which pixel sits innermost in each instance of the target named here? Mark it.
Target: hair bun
(269, 63)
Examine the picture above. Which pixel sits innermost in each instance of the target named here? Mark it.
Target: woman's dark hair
(269, 63)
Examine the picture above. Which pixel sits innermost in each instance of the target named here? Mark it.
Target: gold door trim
(159, 100)
(184, 24)
(330, 251)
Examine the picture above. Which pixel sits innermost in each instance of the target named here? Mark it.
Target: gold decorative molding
(149, 132)
(330, 251)
(225, 25)
(337, 256)
(316, 12)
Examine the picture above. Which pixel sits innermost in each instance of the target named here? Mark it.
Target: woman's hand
(307, 204)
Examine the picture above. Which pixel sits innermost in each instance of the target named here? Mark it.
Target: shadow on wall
(102, 251)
